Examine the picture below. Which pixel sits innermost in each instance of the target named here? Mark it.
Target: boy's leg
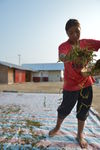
(83, 107)
(57, 127)
(83, 143)
(69, 100)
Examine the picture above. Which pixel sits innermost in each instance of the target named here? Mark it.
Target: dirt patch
(33, 87)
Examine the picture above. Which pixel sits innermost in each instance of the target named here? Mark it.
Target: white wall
(54, 75)
(40, 74)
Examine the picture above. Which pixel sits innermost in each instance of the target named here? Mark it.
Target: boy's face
(74, 34)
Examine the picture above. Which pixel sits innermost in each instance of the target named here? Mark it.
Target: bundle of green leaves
(84, 57)
(80, 55)
(96, 68)
(93, 70)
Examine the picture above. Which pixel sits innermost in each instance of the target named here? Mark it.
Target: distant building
(97, 79)
(11, 73)
(46, 71)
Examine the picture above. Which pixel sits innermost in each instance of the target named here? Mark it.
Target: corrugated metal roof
(14, 66)
(45, 66)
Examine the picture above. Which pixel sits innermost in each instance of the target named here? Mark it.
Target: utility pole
(19, 56)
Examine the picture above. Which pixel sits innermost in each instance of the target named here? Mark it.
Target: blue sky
(35, 28)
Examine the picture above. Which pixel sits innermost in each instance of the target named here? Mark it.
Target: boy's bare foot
(53, 132)
(82, 142)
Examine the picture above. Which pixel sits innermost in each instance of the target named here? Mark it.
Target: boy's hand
(86, 71)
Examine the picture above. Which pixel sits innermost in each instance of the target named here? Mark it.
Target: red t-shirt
(73, 79)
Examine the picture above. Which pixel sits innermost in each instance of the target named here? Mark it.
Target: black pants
(82, 97)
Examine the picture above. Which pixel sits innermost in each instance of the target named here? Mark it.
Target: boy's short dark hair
(70, 23)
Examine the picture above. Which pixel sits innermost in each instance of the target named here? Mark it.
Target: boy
(74, 80)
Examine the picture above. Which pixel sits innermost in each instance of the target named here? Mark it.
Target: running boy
(73, 81)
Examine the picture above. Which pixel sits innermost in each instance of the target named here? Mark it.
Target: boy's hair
(70, 23)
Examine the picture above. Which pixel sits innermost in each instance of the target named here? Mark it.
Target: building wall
(97, 79)
(3, 74)
(36, 76)
(28, 76)
(47, 76)
(10, 76)
(54, 76)
(40, 76)
(19, 76)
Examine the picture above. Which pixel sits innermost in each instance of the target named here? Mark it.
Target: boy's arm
(62, 57)
(63, 50)
(93, 44)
